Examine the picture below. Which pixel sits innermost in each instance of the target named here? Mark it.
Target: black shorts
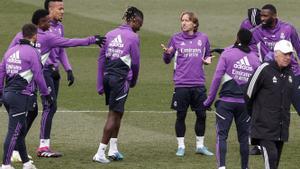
(116, 91)
(185, 96)
(15, 102)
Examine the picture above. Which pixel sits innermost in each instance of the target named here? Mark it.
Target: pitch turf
(147, 138)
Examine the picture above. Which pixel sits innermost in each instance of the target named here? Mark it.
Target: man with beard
(264, 38)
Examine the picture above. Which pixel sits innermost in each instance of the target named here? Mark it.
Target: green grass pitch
(147, 136)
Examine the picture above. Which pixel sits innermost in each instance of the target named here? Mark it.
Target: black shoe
(255, 151)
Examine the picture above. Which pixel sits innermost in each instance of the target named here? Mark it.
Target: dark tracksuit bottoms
(296, 96)
(225, 112)
(49, 111)
(16, 105)
(271, 152)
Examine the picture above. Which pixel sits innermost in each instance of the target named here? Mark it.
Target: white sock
(180, 141)
(223, 167)
(28, 163)
(101, 149)
(199, 141)
(3, 166)
(44, 143)
(113, 148)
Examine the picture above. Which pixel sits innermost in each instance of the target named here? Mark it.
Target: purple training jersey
(188, 52)
(264, 40)
(246, 24)
(120, 55)
(58, 55)
(21, 67)
(46, 41)
(233, 71)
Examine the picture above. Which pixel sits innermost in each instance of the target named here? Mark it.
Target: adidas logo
(243, 64)
(14, 58)
(117, 42)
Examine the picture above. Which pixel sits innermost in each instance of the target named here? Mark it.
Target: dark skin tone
(44, 23)
(268, 18)
(113, 122)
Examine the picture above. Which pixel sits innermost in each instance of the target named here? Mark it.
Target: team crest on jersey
(282, 36)
(274, 79)
(290, 79)
(199, 43)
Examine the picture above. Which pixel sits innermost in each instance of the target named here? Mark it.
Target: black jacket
(268, 97)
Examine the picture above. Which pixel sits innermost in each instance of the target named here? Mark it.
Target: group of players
(33, 57)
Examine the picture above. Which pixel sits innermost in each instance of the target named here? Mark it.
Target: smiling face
(56, 10)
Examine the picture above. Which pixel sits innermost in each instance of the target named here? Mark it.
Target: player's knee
(201, 115)
(181, 116)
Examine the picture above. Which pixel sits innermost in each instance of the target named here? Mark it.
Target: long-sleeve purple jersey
(188, 51)
(58, 55)
(120, 55)
(246, 24)
(233, 71)
(20, 68)
(46, 41)
(264, 40)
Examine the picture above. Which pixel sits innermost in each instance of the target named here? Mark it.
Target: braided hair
(131, 13)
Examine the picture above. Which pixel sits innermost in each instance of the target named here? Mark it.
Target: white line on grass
(130, 111)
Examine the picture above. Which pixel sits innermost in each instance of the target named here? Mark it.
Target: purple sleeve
(14, 42)
(207, 49)
(295, 41)
(168, 57)
(101, 61)
(2, 76)
(135, 60)
(64, 60)
(38, 75)
(56, 41)
(220, 71)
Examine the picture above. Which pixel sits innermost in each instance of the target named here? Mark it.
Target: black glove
(217, 50)
(55, 75)
(100, 40)
(48, 100)
(70, 77)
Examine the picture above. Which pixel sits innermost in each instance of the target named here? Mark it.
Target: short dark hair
(46, 3)
(270, 7)
(29, 30)
(244, 36)
(38, 14)
(132, 12)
